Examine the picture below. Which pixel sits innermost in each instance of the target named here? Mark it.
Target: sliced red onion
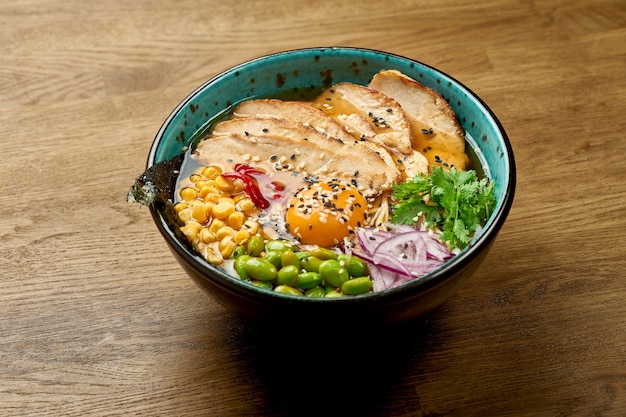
(398, 256)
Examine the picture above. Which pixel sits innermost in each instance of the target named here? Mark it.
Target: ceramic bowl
(294, 72)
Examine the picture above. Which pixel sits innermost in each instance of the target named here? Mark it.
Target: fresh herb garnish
(456, 202)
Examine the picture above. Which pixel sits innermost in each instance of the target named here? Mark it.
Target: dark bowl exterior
(396, 305)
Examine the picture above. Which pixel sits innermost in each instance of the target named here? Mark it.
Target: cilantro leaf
(456, 202)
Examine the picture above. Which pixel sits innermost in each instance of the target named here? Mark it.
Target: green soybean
(333, 273)
(273, 257)
(323, 253)
(266, 285)
(359, 285)
(289, 257)
(239, 250)
(260, 269)
(311, 263)
(255, 245)
(308, 280)
(315, 292)
(303, 254)
(287, 275)
(356, 267)
(277, 245)
(286, 289)
(239, 266)
(334, 294)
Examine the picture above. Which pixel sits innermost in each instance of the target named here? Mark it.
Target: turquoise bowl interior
(298, 73)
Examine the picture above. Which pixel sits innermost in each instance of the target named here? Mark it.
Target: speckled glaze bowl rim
(448, 270)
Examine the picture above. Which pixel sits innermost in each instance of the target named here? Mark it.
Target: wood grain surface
(97, 318)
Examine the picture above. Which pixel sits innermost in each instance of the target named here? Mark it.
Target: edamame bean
(255, 246)
(323, 253)
(315, 292)
(303, 254)
(289, 257)
(239, 250)
(333, 273)
(239, 266)
(287, 275)
(273, 257)
(334, 294)
(266, 285)
(277, 245)
(260, 269)
(286, 289)
(311, 263)
(356, 267)
(359, 285)
(308, 280)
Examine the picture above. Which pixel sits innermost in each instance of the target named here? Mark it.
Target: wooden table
(97, 318)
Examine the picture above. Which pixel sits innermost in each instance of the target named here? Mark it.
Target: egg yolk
(325, 213)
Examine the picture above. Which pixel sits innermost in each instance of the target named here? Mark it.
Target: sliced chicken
(295, 110)
(382, 113)
(435, 128)
(295, 156)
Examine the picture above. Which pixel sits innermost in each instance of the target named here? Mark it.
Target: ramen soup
(331, 197)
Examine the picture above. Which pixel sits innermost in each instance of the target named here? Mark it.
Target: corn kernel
(206, 236)
(236, 219)
(195, 178)
(226, 199)
(213, 258)
(212, 197)
(224, 184)
(188, 194)
(191, 229)
(185, 214)
(238, 186)
(246, 204)
(204, 190)
(251, 226)
(198, 213)
(223, 210)
(211, 171)
(216, 225)
(241, 237)
(224, 232)
(180, 206)
(227, 246)
(208, 209)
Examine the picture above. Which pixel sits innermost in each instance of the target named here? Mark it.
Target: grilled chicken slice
(435, 128)
(382, 113)
(295, 110)
(294, 156)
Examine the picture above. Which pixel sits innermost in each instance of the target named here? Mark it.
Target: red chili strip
(251, 188)
(247, 169)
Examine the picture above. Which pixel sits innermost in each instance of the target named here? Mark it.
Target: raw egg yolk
(324, 213)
